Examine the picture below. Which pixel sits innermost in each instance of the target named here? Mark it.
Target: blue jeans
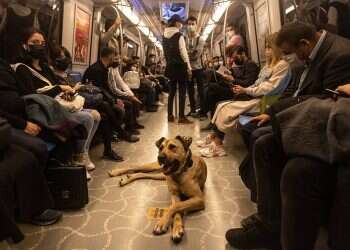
(90, 122)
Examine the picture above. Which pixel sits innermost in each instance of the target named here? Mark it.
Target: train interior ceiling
(123, 218)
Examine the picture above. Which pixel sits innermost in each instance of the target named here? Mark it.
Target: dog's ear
(185, 140)
(159, 142)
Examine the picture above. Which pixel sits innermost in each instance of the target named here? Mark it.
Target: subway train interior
(174, 124)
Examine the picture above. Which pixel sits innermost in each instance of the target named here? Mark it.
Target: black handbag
(5, 134)
(68, 185)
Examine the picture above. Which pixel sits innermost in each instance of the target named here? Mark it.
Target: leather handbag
(68, 185)
(5, 134)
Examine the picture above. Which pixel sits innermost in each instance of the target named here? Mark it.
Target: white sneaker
(88, 176)
(89, 165)
(213, 151)
(159, 103)
(203, 143)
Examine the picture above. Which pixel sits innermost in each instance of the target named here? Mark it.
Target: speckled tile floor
(116, 217)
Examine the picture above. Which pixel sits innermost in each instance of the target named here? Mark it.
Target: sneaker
(213, 150)
(78, 160)
(203, 143)
(89, 165)
(88, 175)
(191, 113)
(159, 103)
(184, 120)
(46, 218)
(253, 238)
(209, 127)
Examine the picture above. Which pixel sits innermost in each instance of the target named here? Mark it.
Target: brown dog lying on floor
(185, 175)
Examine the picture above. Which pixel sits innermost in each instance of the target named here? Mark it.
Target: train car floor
(119, 218)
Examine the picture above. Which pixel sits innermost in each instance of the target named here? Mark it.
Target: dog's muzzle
(168, 167)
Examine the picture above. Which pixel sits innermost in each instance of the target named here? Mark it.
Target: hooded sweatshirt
(168, 33)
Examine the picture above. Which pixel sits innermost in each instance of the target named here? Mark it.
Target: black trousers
(23, 186)
(180, 81)
(132, 110)
(146, 93)
(197, 76)
(250, 133)
(298, 194)
(32, 144)
(215, 94)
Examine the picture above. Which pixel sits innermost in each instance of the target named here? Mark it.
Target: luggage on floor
(68, 185)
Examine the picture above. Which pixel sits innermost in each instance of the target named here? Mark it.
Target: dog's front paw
(162, 226)
(177, 233)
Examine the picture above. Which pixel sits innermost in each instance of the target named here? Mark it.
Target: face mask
(62, 63)
(238, 61)
(37, 51)
(289, 58)
(133, 69)
(115, 64)
(192, 28)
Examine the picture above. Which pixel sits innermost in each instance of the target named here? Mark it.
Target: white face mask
(289, 58)
(133, 69)
(192, 28)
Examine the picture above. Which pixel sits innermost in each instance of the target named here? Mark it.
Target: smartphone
(333, 92)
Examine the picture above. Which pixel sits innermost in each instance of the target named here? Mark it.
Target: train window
(132, 48)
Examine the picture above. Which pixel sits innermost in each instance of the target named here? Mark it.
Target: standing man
(178, 67)
(195, 45)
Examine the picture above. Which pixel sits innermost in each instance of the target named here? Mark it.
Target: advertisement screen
(170, 9)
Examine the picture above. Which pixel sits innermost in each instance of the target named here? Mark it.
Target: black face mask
(62, 63)
(37, 51)
(115, 64)
(238, 61)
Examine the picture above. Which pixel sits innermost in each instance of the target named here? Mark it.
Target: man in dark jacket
(244, 74)
(327, 65)
(97, 74)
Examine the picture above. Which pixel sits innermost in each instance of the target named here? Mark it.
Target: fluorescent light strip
(290, 9)
(219, 10)
(126, 9)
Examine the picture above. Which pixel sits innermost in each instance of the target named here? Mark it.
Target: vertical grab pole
(212, 43)
(225, 38)
(120, 36)
(142, 55)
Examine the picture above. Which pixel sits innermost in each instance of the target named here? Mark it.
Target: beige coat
(226, 113)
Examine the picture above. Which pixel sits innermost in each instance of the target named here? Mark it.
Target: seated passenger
(320, 52)
(35, 76)
(226, 114)
(12, 107)
(244, 76)
(141, 86)
(23, 188)
(119, 89)
(113, 108)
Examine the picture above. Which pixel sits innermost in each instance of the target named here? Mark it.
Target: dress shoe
(139, 126)
(184, 120)
(171, 118)
(254, 237)
(129, 137)
(112, 155)
(152, 109)
(46, 218)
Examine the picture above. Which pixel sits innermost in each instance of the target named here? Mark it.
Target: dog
(185, 175)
